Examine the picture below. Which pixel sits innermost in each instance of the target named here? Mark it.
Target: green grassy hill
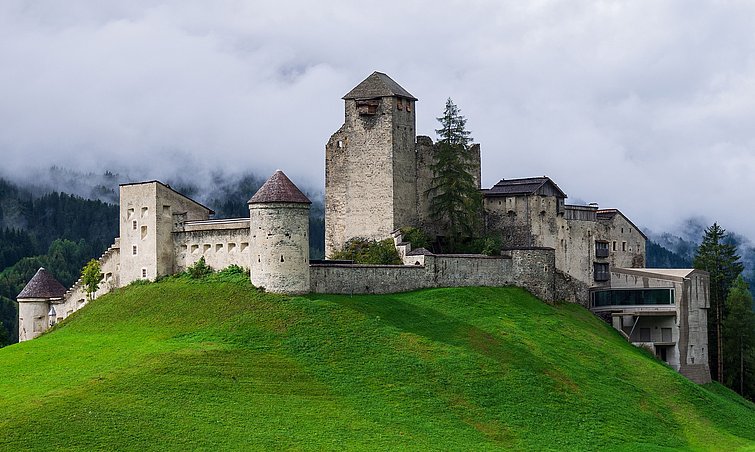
(216, 365)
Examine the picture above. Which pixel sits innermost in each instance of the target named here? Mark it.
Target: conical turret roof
(378, 85)
(42, 285)
(279, 188)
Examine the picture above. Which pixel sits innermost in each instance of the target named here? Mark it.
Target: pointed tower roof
(42, 285)
(279, 188)
(378, 85)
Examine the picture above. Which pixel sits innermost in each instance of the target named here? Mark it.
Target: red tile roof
(279, 188)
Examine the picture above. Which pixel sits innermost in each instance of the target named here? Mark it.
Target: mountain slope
(215, 364)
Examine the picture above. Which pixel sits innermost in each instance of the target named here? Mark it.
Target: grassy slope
(181, 365)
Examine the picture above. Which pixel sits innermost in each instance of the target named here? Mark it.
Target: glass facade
(632, 297)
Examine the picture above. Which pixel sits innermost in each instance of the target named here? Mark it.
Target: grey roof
(171, 189)
(279, 188)
(608, 214)
(42, 285)
(378, 85)
(524, 186)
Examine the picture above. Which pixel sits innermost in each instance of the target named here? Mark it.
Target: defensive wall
(530, 268)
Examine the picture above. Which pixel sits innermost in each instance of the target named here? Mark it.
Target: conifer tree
(717, 256)
(455, 201)
(739, 337)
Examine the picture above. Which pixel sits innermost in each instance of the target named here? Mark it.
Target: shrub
(232, 273)
(417, 237)
(199, 270)
(368, 251)
(488, 245)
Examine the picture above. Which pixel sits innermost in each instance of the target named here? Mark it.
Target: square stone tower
(370, 164)
(148, 211)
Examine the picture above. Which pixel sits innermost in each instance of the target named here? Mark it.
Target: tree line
(57, 231)
(731, 320)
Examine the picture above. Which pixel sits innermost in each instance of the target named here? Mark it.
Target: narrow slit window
(133, 250)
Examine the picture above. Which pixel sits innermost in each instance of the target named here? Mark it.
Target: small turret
(36, 301)
(279, 227)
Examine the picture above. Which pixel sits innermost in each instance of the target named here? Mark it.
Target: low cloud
(643, 106)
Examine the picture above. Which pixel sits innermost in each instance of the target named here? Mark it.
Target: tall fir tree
(739, 339)
(717, 256)
(455, 199)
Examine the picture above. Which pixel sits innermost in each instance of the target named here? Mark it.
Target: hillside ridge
(182, 364)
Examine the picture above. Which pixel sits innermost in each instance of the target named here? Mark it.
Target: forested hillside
(57, 231)
(61, 231)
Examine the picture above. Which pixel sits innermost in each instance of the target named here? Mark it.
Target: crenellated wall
(221, 242)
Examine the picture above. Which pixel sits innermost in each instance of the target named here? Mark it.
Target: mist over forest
(59, 218)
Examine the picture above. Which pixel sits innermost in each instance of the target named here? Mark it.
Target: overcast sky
(648, 106)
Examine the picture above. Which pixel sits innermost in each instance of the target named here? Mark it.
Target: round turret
(279, 228)
(35, 302)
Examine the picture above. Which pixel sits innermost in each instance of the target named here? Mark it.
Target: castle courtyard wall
(221, 242)
(531, 269)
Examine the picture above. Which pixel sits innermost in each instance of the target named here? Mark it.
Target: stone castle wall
(535, 220)
(222, 243)
(531, 269)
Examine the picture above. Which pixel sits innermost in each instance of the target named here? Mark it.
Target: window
(130, 214)
(601, 271)
(133, 250)
(144, 211)
(144, 273)
(408, 105)
(133, 225)
(644, 334)
(166, 211)
(218, 247)
(633, 297)
(399, 104)
(622, 230)
(614, 245)
(144, 232)
(206, 247)
(666, 335)
(623, 246)
(601, 248)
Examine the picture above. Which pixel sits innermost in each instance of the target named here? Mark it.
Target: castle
(377, 179)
